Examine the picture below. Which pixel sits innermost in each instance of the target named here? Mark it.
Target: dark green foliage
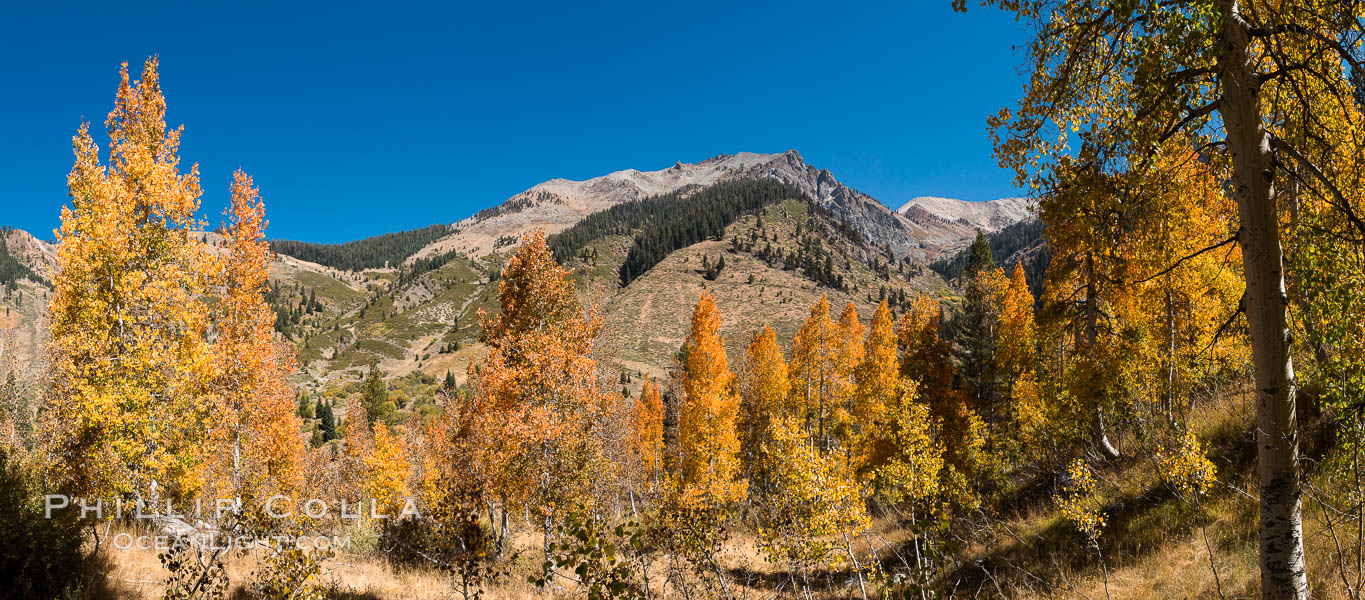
(422, 265)
(979, 256)
(39, 557)
(370, 253)
(811, 257)
(1023, 237)
(508, 207)
(327, 422)
(11, 270)
(663, 224)
(305, 407)
(375, 396)
(975, 337)
(711, 270)
(291, 306)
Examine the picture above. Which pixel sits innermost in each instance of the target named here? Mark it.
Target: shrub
(38, 555)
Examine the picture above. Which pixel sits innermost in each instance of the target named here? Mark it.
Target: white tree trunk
(1283, 574)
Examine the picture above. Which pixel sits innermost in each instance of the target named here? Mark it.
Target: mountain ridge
(557, 204)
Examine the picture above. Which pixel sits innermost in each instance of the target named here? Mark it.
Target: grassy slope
(646, 323)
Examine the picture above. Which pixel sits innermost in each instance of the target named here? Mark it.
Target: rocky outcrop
(945, 225)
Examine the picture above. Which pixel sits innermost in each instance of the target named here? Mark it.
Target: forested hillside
(663, 224)
(10, 267)
(1020, 243)
(379, 251)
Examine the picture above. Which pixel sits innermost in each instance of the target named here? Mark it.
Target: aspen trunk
(1283, 574)
(1098, 431)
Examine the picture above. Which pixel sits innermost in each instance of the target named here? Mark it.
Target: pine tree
(979, 257)
(375, 395)
(327, 422)
(978, 337)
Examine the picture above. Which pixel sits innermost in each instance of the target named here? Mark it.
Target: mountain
(26, 265)
(946, 225)
(557, 204)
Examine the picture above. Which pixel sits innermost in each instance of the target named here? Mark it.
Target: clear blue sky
(362, 120)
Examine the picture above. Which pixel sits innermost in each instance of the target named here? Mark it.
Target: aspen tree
(1235, 76)
(706, 427)
(131, 370)
(764, 398)
(813, 374)
(255, 450)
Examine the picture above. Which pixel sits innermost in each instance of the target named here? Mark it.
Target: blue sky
(362, 120)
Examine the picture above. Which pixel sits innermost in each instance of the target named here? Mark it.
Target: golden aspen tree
(812, 498)
(357, 440)
(813, 371)
(763, 392)
(537, 392)
(1182, 297)
(130, 367)
(647, 432)
(461, 476)
(1017, 360)
(909, 462)
(1276, 103)
(1089, 229)
(710, 408)
(878, 382)
(1016, 350)
(386, 483)
(254, 449)
(847, 356)
(925, 356)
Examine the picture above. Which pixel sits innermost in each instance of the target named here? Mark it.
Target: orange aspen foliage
(706, 423)
(813, 372)
(357, 438)
(538, 409)
(647, 440)
(130, 367)
(255, 449)
(1016, 352)
(848, 355)
(925, 359)
(925, 355)
(877, 378)
(387, 469)
(764, 398)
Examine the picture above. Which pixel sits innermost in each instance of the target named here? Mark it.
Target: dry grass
(1157, 546)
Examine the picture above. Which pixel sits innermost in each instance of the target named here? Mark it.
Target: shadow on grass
(1138, 524)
